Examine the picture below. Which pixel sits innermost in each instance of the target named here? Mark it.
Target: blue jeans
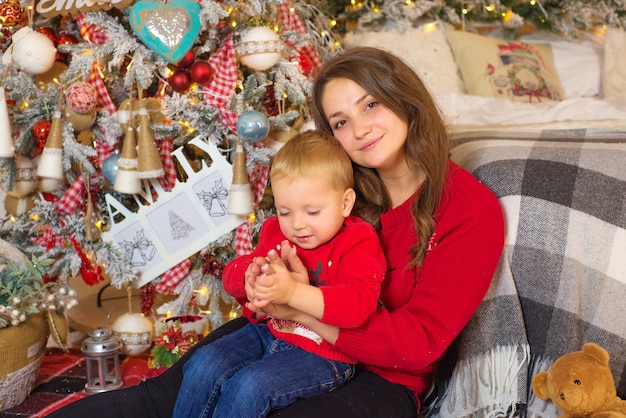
(248, 373)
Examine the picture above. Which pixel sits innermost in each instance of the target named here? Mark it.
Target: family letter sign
(177, 224)
(52, 8)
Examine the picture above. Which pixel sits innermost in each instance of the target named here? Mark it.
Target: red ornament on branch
(91, 274)
(179, 81)
(187, 60)
(40, 129)
(201, 72)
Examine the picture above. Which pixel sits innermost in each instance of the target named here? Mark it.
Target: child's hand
(291, 261)
(276, 284)
(254, 270)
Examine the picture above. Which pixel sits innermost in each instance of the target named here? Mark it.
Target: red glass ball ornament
(50, 33)
(187, 60)
(179, 81)
(41, 129)
(201, 72)
(67, 39)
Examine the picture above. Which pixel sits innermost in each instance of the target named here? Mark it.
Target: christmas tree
(565, 17)
(136, 138)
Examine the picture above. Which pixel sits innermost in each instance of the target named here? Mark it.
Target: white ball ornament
(259, 48)
(31, 51)
(135, 331)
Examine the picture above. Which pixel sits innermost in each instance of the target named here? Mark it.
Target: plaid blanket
(561, 281)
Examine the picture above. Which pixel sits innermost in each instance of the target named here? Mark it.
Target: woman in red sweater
(442, 232)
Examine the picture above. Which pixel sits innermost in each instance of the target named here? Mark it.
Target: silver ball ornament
(253, 126)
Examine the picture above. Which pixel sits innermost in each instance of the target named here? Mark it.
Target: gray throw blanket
(561, 281)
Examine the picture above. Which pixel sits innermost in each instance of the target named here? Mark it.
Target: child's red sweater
(348, 269)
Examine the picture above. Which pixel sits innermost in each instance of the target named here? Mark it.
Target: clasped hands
(271, 282)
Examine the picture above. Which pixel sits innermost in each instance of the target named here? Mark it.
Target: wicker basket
(21, 350)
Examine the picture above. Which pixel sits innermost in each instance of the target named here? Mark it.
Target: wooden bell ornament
(127, 179)
(240, 197)
(149, 162)
(50, 163)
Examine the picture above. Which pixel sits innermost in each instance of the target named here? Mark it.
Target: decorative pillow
(493, 67)
(424, 48)
(578, 63)
(614, 63)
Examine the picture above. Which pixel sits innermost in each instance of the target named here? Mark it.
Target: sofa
(555, 155)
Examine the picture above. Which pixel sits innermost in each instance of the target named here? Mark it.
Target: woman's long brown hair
(397, 87)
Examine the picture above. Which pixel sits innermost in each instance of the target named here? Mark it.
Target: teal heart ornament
(169, 29)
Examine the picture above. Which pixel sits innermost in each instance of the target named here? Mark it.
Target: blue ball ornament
(110, 166)
(253, 126)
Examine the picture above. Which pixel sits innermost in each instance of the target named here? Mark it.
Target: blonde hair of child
(313, 154)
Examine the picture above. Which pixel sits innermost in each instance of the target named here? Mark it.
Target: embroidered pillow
(515, 70)
(578, 62)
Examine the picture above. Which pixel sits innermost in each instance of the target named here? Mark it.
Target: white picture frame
(170, 227)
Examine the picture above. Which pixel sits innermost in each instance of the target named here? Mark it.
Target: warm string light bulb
(202, 292)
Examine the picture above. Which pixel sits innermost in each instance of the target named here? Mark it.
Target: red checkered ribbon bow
(258, 180)
(171, 278)
(223, 83)
(90, 33)
(307, 56)
(165, 152)
(71, 199)
(243, 242)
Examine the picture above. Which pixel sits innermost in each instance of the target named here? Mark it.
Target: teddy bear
(581, 385)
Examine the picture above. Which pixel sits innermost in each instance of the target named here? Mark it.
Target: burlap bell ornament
(50, 163)
(240, 197)
(126, 179)
(149, 162)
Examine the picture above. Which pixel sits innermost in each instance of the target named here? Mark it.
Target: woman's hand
(254, 270)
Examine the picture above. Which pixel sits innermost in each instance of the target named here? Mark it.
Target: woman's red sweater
(427, 307)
